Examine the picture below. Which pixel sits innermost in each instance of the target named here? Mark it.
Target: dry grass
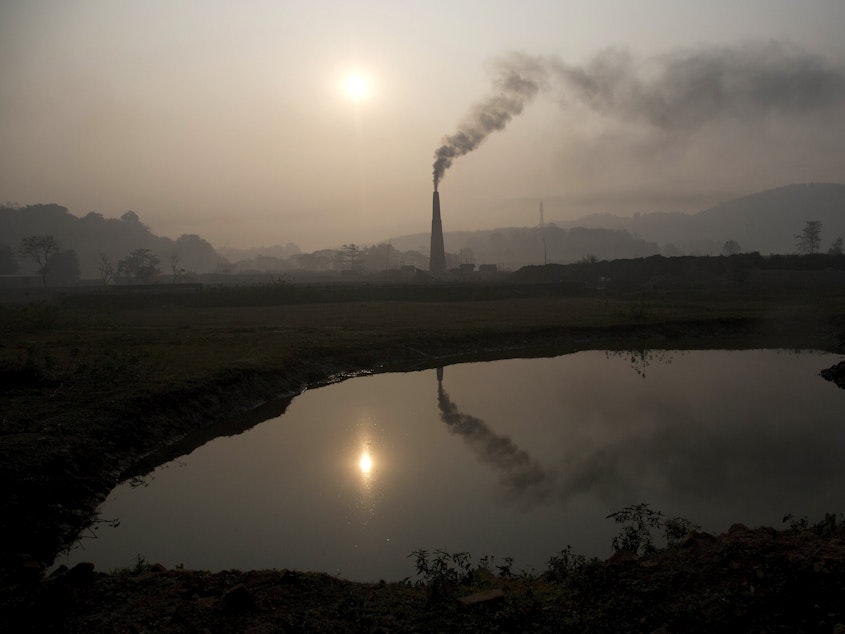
(178, 342)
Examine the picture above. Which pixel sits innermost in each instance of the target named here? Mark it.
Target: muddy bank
(55, 475)
(745, 580)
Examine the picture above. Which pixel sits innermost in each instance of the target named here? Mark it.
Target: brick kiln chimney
(437, 254)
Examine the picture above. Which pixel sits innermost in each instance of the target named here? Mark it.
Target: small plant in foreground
(564, 565)
(444, 573)
(676, 528)
(824, 528)
(639, 520)
(439, 568)
(505, 568)
(141, 565)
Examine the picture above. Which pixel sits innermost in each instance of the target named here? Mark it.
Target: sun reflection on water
(367, 467)
(365, 463)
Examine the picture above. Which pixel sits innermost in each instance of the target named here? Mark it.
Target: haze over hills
(93, 236)
(766, 222)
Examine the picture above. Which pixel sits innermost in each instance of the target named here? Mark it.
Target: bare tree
(105, 267)
(174, 266)
(809, 240)
(40, 249)
(836, 247)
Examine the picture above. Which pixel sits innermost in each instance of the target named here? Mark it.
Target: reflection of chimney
(437, 255)
(440, 374)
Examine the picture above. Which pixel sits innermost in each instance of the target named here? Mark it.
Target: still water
(514, 458)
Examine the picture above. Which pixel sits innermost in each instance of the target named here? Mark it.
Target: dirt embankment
(745, 580)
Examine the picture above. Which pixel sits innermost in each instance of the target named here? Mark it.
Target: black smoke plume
(679, 91)
(517, 470)
(686, 89)
(518, 80)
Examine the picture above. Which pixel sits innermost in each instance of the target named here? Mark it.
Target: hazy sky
(233, 119)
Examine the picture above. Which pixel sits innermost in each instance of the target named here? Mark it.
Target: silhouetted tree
(348, 257)
(836, 247)
(195, 254)
(378, 257)
(105, 267)
(140, 266)
(809, 239)
(174, 266)
(40, 249)
(731, 247)
(131, 218)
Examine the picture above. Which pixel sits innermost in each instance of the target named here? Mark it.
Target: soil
(745, 580)
(65, 444)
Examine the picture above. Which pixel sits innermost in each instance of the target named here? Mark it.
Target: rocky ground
(745, 580)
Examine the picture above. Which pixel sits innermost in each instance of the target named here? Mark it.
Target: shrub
(639, 520)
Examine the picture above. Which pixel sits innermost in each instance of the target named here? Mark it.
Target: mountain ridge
(766, 221)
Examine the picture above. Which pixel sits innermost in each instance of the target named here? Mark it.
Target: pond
(515, 458)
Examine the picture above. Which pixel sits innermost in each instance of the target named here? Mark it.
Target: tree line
(140, 266)
(808, 242)
(91, 237)
(90, 248)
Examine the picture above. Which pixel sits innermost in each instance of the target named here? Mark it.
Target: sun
(356, 87)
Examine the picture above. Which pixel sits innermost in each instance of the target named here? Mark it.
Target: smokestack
(437, 256)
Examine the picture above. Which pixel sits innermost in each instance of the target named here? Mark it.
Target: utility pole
(543, 234)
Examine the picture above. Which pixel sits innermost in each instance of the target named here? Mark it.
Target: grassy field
(175, 337)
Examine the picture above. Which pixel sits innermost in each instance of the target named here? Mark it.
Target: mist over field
(765, 222)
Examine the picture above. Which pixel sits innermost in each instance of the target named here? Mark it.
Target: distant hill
(94, 234)
(514, 247)
(766, 221)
